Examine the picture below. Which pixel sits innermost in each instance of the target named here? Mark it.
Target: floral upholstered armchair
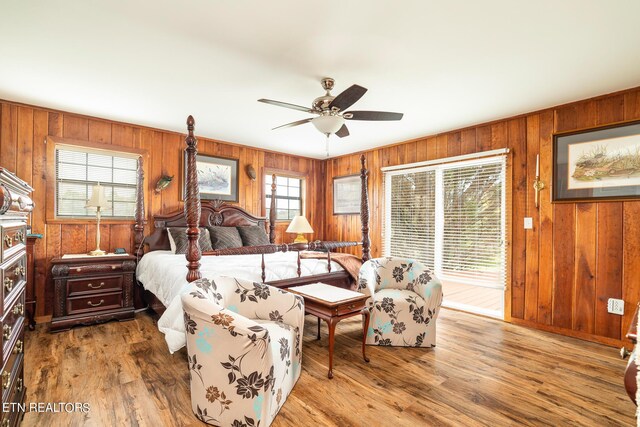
(244, 341)
(405, 301)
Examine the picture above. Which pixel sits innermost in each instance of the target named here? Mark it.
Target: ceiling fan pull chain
(327, 145)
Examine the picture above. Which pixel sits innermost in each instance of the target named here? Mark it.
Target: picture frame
(597, 164)
(346, 194)
(217, 177)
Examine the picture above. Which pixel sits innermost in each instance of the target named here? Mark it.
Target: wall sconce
(163, 183)
(537, 184)
(251, 172)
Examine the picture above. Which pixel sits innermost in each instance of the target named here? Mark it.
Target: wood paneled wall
(23, 130)
(577, 255)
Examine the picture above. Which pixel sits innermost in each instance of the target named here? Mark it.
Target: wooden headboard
(213, 213)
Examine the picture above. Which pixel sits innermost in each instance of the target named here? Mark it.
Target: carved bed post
(364, 211)
(273, 213)
(138, 228)
(192, 205)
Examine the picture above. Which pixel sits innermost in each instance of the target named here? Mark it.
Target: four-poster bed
(162, 273)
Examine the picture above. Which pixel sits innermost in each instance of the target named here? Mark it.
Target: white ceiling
(445, 64)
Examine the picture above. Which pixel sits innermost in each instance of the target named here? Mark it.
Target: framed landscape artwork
(217, 178)
(346, 195)
(597, 164)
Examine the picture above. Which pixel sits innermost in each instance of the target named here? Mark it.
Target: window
(78, 169)
(288, 196)
(451, 217)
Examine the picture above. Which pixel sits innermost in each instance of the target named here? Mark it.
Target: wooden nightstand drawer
(102, 267)
(94, 303)
(14, 346)
(94, 285)
(12, 240)
(12, 378)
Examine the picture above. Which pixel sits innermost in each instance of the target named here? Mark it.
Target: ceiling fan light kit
(330, 110)
(328, 124)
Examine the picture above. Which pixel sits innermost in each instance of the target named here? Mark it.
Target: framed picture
(597, 164)
(346, 195)
(217, 177)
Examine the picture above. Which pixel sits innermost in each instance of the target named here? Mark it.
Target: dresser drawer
(13, 346)
(102, 267)
(92, 285)
(94, 303)
(11, 375)
(13, 274)
(12, 240)
(16, 396)
(11, 321)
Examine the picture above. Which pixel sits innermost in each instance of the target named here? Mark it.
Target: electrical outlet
(615, 306)
(528, 223)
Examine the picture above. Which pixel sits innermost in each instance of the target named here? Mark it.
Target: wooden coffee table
(332, 304)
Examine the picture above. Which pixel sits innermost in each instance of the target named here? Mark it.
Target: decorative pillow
(179, 236)
(253, 236)
(224, 237)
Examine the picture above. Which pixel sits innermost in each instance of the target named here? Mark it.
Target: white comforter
(164, 274)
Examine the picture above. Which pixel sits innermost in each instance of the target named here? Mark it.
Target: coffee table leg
(318, 328)
(332, 331)
(365, 328)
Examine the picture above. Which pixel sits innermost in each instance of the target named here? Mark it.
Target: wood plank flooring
(483, 372)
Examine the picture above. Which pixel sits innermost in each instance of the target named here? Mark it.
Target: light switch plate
(615, 306)
(528, 223)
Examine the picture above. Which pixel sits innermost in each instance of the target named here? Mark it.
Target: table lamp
(98, 201)
(300, 225)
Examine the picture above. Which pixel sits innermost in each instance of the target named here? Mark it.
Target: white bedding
(164, 274)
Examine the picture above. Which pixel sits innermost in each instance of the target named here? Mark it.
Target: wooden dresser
(15, 205)
(92, 289)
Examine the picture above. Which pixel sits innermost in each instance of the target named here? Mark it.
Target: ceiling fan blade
(347, 98)
(343, 131)
(292, 124)
(372, 115)
(286, 105)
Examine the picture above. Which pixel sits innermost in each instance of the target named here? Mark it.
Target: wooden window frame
(50, 199)
(286, 174)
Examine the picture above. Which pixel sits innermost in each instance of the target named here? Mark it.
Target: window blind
(77, 171)
(451, 217)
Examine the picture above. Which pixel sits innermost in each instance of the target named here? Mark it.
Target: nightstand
(92, 289)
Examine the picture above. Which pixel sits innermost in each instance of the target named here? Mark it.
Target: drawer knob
(8, 284)
(19, 271)
(6, 331)
(19, 384)
(6, 380)
(19, 236)
(18, 309)
(92, 286)
(19, 348)
(78, 270)
(8, 241)
(95, 305)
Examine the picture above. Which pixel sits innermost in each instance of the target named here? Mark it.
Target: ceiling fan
(330, 110)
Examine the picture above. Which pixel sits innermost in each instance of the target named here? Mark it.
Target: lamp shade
(98, 199)
(328, 124)
(299, 224)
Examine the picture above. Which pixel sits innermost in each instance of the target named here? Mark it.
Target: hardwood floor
(483, 372)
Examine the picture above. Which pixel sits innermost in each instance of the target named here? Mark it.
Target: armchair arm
(368, 278)
(428, 286)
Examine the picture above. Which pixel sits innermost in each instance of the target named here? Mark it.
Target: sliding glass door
(451, 217)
